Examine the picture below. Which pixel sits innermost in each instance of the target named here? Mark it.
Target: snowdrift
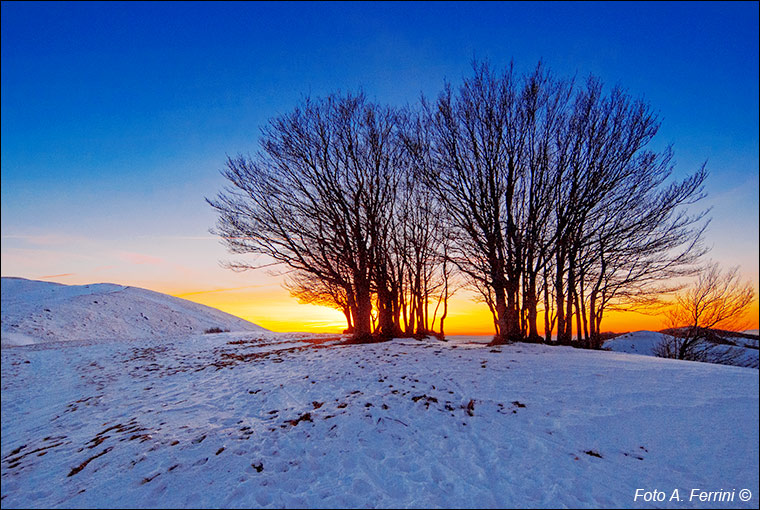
(36, 312)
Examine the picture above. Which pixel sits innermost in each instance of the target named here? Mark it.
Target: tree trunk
(347, 313)
(593, 333)
(363, 319)
(567, 338)
(385, 311)
(445, 306)
(502, 314)
(559, 287)
(577, 318)
(548, 326)
(582, 302)
(531, 301)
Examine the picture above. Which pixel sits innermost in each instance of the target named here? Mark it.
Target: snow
(36, 312)
(644, 342)
(261, 419)
(639, 342)
(10, 338)
(113, 397)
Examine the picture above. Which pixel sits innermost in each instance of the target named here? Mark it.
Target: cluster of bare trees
(331, 196)
(539, 193)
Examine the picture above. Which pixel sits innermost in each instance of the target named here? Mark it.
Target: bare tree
(643, 242)
(621, 229)
(474, 146)
(317, 198)
(425, 236)
(717, 300)
(547, 187)
(543, 108)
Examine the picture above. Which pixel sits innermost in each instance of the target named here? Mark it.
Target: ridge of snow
(37, 312)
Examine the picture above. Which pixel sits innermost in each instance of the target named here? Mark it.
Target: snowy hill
(36, 312)
(639, 342)
(644, 342)
(280, 420)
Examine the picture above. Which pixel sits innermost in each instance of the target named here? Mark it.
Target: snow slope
(639, 342)
(644, 342)
(277, 420)
(35, 312)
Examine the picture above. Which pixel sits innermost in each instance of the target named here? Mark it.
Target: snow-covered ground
(638, 342)
(35, 312)
(644, 342)
(276, 420)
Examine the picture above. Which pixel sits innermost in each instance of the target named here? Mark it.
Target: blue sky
(116, 117)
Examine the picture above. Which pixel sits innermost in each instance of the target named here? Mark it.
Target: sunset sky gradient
(117, 117)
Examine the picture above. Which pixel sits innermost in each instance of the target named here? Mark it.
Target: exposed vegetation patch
(83, 465)
(215, 330)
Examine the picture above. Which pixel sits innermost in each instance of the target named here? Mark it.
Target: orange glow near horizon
(263, 301)
(272, 309)
(275, 310)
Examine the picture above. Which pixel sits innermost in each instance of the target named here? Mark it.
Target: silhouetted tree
(317, 196)
(424, 233)
(475, 144)
(716, 300)
(621, 229)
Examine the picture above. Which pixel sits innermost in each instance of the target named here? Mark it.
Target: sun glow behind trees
(533, 191)
(275, 309)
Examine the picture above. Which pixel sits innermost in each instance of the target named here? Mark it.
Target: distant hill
(644, 342)
(720, 336)
(36, 312)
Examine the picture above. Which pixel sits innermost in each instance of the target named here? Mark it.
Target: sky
(117, 117)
